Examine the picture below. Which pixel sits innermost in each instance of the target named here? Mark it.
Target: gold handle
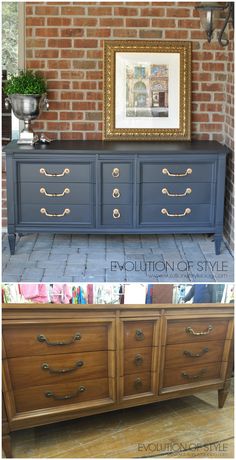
(139, 335)
(50, 394)
(43, 191)
(138, 383)
(44, 211)
(187, 211)
(194, 376)
(115, 172)
(45, 367)
(188, 171)
(189, 330)
(187, 192)
(116, 193)
(41, 338)
(195, 355)
(43, 171)
(138, 360)
(116, 214)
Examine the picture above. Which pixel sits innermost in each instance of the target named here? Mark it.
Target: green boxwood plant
(26, 82)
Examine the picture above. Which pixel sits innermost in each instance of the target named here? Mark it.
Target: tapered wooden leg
(218, 239)
(12, 242)
(6, 446)
(222, 394)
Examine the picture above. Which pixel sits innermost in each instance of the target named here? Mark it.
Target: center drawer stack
(58, 365)
(54, 192)
(176, 192)
(194, 352)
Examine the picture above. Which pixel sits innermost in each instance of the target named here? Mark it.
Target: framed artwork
(147, 90)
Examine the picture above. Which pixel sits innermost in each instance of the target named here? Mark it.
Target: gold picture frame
(147, 90)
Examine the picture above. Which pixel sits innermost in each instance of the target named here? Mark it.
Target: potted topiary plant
(27, 94)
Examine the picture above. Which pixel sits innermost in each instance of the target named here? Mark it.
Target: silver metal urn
(27, 107)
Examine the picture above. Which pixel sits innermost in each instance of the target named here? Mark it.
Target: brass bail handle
(196, 355)
(188, 191)
(116, 214)
(190, 331)
(49, 214)
(194, 376)
(44, 192)
(46, 367)
(42, 339)
(115, 172)
(43, 171)
(50, 394)
(166, 171)
(167, 213)
(116, 193)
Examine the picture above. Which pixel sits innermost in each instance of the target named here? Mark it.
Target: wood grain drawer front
(175, 193)
(193, 353)
(186, 375)
(66, 193)
(61, 394)
(137, 360)
(48, 340)
(40, 370)
(196, 330)
(138, 334)
(56, 213)
(177, 171)
(137, 383)
(116, 172)
(55, 172)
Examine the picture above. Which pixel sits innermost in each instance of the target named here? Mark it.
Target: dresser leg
(12, 242)
(6, 446)
(222, 394)
(218, 239)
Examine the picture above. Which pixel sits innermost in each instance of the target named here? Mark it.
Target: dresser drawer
(48, 339)
(137, 383)
(175, 193)
(180, 214)
(56, 213)
(177, 171)
(116, 195)
(46, 194)
(61, 394)
(115, 172)
(196, 330)
(193, 353)
(116, 215)
(186, 375)
(63, 368)
(137, 360)
(55, 172)
(138, 334)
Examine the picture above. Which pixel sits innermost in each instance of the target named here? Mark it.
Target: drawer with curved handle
(61, 394)
(196, 330)
(55, 172)
(55, 213)
(193, 353)
(175, 193)
(185, 375)
(137, 383)
(137, 360)
(48, 340)
(66, 193)
(181, 172)
(178, 214)
(138, 334)
(58, 368)
(116, 172)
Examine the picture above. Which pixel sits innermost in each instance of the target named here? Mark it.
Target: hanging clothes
(61, 293)
(38, 293)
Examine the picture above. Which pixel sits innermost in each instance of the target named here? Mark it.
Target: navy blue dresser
(116, 187)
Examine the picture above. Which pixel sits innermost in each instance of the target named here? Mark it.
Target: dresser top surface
(107, 147)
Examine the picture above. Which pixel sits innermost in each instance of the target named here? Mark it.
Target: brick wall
(64, 40)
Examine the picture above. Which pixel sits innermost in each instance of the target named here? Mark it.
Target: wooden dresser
(63, 362)
(116, 187)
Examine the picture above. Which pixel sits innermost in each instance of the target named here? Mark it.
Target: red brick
(77, 54)
(47, 10)
(189, 23)
(98, 32)
(59, 43)
(60, 105)
(176, 34)
(46, 53)
(64, 126)
(47, 32)
(85, 43)
(50, 74)
(84, 85)
(201, 96)
(125, 11)
(209, 127)
(94, 75)
(89, 64)
(139, 22)
(150, 33)
(72, 74)
(93, 136)
(111, 22)
(201, 117)
(219, 97)
(35, 64)
(71, 136)
(59, 84)
(202, 56)
(153, 12)
(35, 21)
(85, 22)
(94, 96)
(50, 115)
(83, 126)
(201, 76)
(163, 22)
(72, 95)
(211, 87)
(94, 54)
(84, 105)
(178, 12)
(213, 66)
(72, 32)
(218, 117)
(71, 115)
(59, 22)
(211, 107)
(128, 33)
(72, 10)
(35, 43)
(100, 11)
(59, 64)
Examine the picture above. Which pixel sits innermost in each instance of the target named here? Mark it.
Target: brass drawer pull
(189, 330)
(187, 211)
(185, 375)
(138, 360)
(43, 171)
(166, 192)
(44, 211)
(139, 335)
(45, 367)
(116, 214)
(138, 383)
(44, 191)
(188, 171)
(116, 193)
(115, 172)
(50, 394)
(41, 338)
(195, 355)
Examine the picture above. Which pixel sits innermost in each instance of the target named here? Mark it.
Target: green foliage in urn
(26, 82)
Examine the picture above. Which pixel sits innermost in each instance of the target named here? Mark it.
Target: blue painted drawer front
(200, 214)
(66, 172)
(125, 216)
(192, 193)
(81, 215)
(188, 172)
(115, 172)
(73, 193)
(117, 194)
